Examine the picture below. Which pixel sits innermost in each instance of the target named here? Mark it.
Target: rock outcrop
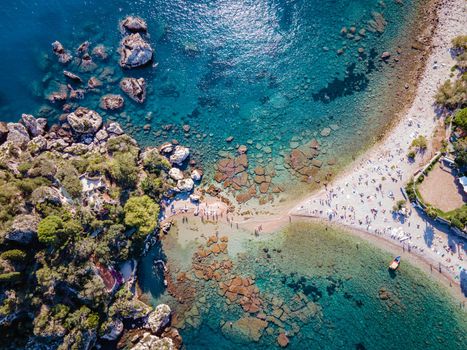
(134, 51)
(34, 126)
(134, 88)
(179, 155)
(133, 24)
(152, 342)
(113, 330)
(18, 134)
(159, 319)
(23, 229)
(84, 121)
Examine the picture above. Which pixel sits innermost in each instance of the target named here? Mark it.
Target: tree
(420, 142)
(124, 170)
(460, 119)
(141, 212)
(48, 229)
(13, 255)
(459, 42)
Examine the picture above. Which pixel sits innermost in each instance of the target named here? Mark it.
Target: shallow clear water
(264, 72)
(343, 279)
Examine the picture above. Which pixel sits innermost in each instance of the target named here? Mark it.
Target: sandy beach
(363, 196)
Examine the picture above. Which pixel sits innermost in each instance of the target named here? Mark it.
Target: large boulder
(18, 134)
(134, 51)
(133, 24)
(151, 342)
(176, 174)
(111, 102)
(35, 126)
(179, 155)
(185, 185)
(84, 121)
(114, 128)
(113, 330)
(24, 229)
(135, 88)
(159, 319)
(46, 194)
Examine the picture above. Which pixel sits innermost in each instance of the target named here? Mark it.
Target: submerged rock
(84, 121)
(135, 88)
(134, 51)
(245, 329)
(93, 83)
(100, 52)
(111, 102)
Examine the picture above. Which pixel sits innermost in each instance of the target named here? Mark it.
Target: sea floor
(316, 285)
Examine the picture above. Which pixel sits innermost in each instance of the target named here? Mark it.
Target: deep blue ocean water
(265, 72)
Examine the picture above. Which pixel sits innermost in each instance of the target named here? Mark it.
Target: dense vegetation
(52, 284)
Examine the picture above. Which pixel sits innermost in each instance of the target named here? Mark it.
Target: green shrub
(153, 162)
(9, 277)
(49, 228)
(153, 186)
(123, 169)
(459, 42)
(431, 212)
(69, 178)
(460, 119)
(460, 152)
(452, 94)
(411, 154)
(420, 142)
(141, 212)
(13, 255)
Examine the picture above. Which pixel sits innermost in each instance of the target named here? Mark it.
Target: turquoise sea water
(266, 72)
(343, 279)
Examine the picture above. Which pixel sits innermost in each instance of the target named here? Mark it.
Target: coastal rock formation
(114, 128)
(133, 24)
(179, 154)
(282, 340)
(196, 175)
(3, 131)
(111, 102)
(159, 319)
(113, 330)
(176, 174)
(135, 88)
(18, 134)
(84, 121)
(185, 185)
(63, 55)
(23, 229)
(34, 126)
(134, 51)
(152, 342)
